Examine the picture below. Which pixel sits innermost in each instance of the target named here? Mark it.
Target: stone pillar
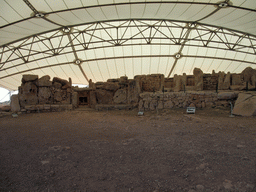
(75, 99)
(198, 73)
(15, 105)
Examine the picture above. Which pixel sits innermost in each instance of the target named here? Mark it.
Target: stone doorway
(83, 101)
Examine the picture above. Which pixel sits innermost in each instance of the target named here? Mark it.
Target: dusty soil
(168, 150)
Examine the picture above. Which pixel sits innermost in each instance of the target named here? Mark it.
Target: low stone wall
(200, 99)
(46, 108)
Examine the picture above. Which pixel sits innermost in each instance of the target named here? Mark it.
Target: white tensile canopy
(103, 39)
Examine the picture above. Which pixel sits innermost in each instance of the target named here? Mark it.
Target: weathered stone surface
(226, 83)
(28, 78)
(141, 105)
(57, 85)
(133, 92)
(93, 101)
(91, 84)
(44, 81)
(247, 73)
(111, 86)
(75, 99)
(61, 96)
(245, 105)
(177, 79)
(15, 105)
(236, 79)
(168, 104)
(221, 80)
(65, 84)
(227, 95)
(120, 96)
(28, 94)
(198, 73)
(104, 96)
(153, 105)
(45, 95)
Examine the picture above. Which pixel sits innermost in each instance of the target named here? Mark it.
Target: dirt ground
(168, 150)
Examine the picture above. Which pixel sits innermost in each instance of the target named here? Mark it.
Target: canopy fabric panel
(105, 39)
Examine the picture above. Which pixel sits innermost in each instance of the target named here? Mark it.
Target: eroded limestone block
(65, 84)
(28, 94)
(44, 81)
(44, 95)
(15, 105)
(236, 79)
(177, 83)
(93, 101)
(141, 105)
(198, 73)
(226, 83)
(168, 104)
(153, 105)
(111, 86)
(133, 92)
(75, 99)
(227, 95)
(245, 105)
(57, 85)
(104, 96)
(120, 96)
(29, 78)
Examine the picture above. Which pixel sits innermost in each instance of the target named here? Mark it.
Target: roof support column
(178, 55)
(77, 60)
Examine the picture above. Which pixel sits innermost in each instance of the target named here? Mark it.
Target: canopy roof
(102, 39)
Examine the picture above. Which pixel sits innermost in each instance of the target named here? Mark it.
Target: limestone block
(93, 101)
(55, 107)
(75, 99)
(47, 106)
(153, 105)
(65, 84)
(57, 85)
(141, 105)
(111, 86)
(160, 105)
(91, 84)
(203, 105)
(236, 79)
(123, 80)
(168, 104)
(177, 82)
(44, 95)
(198, 73)
(39, 107)
(146, 104)
(30, 107)
(245, 105)
(15, 105)
(120, 96)
(28, 94)
(221, 80)
(104, 96)
(133, 92)
(227, 95)
(247, 73)
(226, 83)
(44, 81)
(28, 78)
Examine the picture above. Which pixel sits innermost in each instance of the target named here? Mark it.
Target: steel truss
(107, 34)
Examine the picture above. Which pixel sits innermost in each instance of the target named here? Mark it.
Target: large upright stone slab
(245, 104)
(15, 105)
(75, 99)
(120, 96)
(198, 73)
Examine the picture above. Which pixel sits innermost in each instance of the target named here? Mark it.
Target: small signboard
(191, 110)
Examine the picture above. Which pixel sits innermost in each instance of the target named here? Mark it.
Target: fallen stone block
(245, 105)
